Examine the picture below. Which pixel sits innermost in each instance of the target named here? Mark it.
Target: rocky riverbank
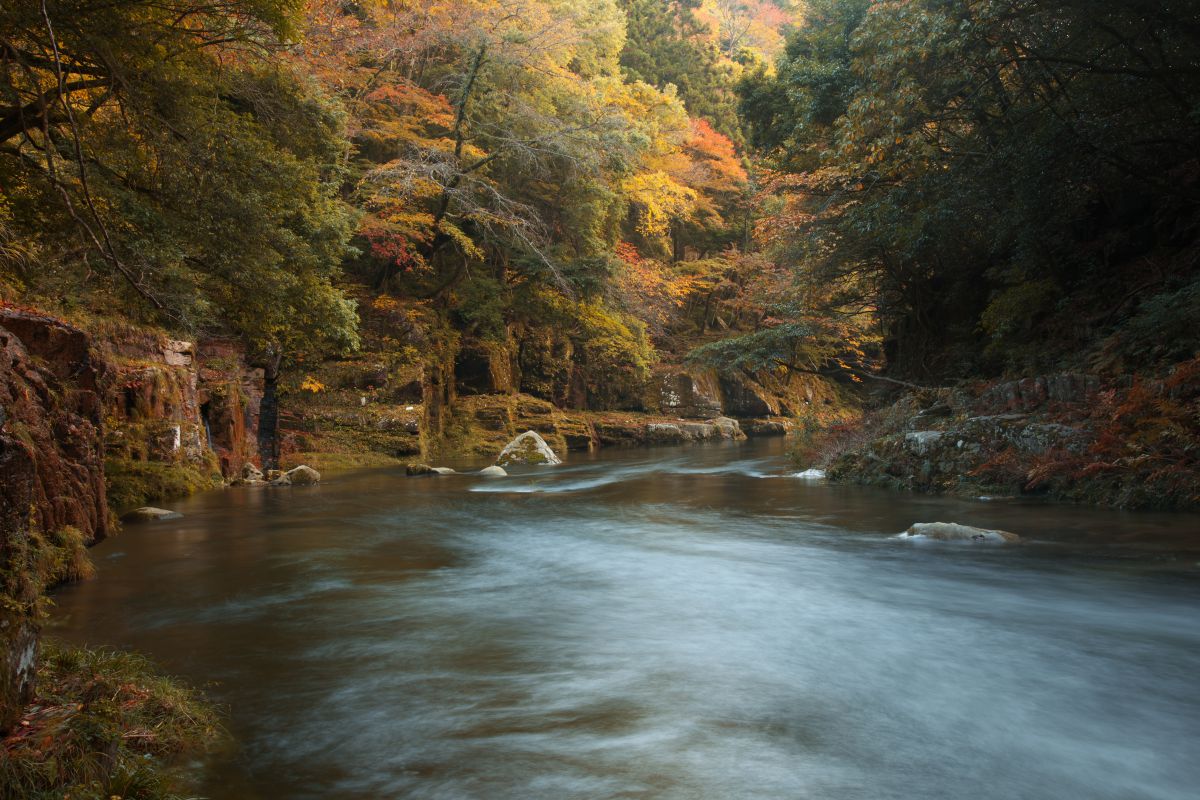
(1123, 441)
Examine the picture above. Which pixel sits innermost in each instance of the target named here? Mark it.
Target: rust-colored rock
(51, 475)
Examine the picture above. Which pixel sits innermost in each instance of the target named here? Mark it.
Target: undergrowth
(1145, 451)
(105, 724)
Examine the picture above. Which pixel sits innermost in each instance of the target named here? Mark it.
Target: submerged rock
(528, 448)
(492, 472)
(149, 514)
(954, 532)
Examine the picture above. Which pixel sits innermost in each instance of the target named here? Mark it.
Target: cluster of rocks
(947, 445)
(302, 475)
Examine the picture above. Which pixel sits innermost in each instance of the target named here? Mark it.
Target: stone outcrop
(683, 432)
(766, 427)
(949, 458)
(690, 396)
(482, 367)
(769, 399)
(52, 499)
(1120, 442)
(1030, 394)
(180, 417)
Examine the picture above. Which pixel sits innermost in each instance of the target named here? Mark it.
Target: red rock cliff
(52, 495)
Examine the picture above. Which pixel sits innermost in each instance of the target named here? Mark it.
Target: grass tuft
(105, 724)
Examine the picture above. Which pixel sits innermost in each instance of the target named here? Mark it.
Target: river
(675, 623)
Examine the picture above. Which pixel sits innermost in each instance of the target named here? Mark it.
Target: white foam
(810, 475)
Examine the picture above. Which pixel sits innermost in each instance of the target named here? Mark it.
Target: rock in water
(302, 475)
(954, 532)
(149, 514)
(528, 448)
(425, 469)
(251, 472)
(728, 428)
(493, 472)
(810, 475)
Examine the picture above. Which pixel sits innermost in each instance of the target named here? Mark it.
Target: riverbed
(676, 623)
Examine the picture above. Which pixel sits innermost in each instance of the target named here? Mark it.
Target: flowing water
(670, 623)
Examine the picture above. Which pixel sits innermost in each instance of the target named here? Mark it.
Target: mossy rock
(528, 448)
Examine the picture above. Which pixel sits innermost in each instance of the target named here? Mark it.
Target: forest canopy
(926, 189)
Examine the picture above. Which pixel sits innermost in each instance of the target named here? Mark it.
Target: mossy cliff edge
(72, 722)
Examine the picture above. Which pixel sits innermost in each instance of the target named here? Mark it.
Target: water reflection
(665, 624)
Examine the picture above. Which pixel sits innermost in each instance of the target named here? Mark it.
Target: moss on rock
(138, 483)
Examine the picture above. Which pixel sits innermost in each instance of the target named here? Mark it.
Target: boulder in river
(528, 448)
(149, 514)
(251, 473)
(302, 475)
(425, 469)
(954, 532)
(493, 472)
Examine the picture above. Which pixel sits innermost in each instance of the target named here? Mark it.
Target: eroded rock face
(51, 466)
(176, 403)
(51, 476)
(485, 368)
(741, 399)
(689, 396)
(528, 448)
